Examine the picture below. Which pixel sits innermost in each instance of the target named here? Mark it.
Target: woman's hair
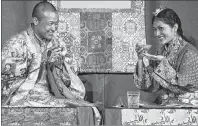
(169, 17)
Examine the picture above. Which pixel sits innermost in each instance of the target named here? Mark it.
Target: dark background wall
(13, 18)
(188, 13)
(16, 16)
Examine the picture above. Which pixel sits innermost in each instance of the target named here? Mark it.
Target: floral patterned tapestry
(103, 40)
(151, 117)
(159, 117)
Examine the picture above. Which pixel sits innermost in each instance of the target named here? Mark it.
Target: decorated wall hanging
(102, 40)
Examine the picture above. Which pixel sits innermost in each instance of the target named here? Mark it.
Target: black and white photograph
(77, 62)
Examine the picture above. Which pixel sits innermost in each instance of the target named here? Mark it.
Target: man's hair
(42, 7)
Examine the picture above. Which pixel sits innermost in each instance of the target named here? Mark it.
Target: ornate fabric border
(159, 117)
(39, 116)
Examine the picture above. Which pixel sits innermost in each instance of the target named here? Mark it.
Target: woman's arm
(143, 79)
(186, 77)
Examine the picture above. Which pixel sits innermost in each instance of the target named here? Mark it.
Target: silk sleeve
(145, 81)
(182, 81)
(17, 53)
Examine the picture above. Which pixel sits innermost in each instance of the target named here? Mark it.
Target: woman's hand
(154, 57)
(141, 49)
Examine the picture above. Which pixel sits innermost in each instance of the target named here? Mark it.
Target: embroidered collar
(173, 44)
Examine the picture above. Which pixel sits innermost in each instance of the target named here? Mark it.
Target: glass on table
(133, 98)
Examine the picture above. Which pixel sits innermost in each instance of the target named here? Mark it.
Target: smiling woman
(173, 70)
(164, 32)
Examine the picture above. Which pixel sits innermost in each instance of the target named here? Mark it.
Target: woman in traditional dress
(174, 69)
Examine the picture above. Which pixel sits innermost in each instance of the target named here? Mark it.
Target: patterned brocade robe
(175, 77)
(26, 54)
(24, 74)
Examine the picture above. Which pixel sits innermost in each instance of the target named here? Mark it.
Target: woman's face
(164, 32)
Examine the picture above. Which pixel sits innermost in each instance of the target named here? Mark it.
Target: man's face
(48, 25)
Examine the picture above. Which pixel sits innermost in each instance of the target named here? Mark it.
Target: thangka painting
(103, 40)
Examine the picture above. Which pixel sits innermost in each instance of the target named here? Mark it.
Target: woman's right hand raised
(141, 50)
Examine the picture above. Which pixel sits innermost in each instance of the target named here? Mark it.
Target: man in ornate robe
(42, 75)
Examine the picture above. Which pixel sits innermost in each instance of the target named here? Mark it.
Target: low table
(58, 116)
(146, 116)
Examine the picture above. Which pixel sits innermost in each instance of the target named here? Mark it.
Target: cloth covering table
(114, 116)
(46, 116)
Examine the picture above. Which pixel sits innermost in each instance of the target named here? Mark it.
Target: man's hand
(68, 59)
(53, 53)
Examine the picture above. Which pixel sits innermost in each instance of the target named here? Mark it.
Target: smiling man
(45, 20)
(48, 80)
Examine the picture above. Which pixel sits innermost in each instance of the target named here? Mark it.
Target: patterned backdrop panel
(96, 41)
(128, 28)
(69, 33)
(103, 40)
